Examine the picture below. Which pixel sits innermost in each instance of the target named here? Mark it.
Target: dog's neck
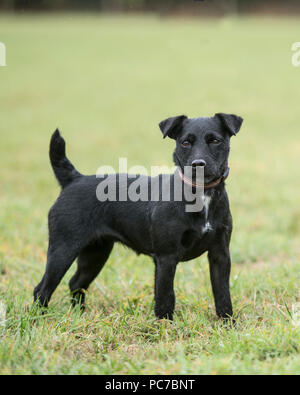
(210, 194)
(208, 186)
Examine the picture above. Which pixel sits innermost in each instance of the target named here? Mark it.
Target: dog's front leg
(165, 268)
(219, 265)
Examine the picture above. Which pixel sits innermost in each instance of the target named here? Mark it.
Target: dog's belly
(127, 223)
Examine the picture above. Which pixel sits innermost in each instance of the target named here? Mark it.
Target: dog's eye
(214, 141)
(186, 144)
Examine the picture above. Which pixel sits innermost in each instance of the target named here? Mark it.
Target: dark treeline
(217, 7)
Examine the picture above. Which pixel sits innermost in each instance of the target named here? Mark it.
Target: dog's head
(202, 141)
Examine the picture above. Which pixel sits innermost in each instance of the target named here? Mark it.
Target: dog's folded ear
(231, 122)
(172, 126)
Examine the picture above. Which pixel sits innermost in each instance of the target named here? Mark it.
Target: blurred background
(106, 72)
(208, 7)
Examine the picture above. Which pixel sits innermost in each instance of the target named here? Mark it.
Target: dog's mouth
(210, 179)
(203, 177)
(206, 182)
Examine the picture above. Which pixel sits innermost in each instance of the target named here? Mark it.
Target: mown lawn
(107, 82)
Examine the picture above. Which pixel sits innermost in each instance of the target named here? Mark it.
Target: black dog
(82, 227)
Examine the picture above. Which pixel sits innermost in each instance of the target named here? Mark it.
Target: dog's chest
(196, 240)
(199, 232)
(206, 204)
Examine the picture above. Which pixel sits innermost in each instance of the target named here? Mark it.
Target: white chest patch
(207, 227)
(206, 202)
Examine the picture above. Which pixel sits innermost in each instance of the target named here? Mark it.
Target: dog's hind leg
(59, 260)
(90, 263)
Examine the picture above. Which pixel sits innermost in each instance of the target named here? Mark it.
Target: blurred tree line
(162, 6)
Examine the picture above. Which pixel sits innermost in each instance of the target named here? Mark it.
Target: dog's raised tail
(63, 169)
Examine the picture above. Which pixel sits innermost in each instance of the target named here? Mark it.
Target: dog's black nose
(199, 162)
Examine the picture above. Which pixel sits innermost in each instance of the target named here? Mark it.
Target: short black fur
(82, 227)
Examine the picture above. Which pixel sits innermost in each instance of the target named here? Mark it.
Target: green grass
(107, 82)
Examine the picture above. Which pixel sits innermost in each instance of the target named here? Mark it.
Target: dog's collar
(210, 185)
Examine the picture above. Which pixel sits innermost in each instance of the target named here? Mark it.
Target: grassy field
(107, 82)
